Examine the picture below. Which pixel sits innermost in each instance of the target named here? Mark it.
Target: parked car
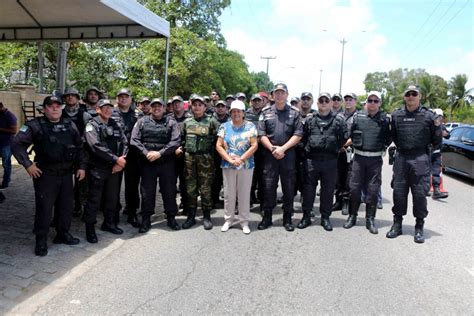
(451, 125)
(458, 151)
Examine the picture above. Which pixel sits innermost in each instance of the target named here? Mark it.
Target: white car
(451, 125)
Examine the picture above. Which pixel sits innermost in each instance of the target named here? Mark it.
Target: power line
(424, 23)
(444, 26)
(431, 30)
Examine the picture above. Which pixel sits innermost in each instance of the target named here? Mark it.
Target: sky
(381, 35)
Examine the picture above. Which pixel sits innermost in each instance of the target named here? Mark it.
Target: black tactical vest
(55, 143)
(413, 131)
(78, 119)
(110, 135)
(369, 133)
(323, 137)
(155, 135)
(251, 116)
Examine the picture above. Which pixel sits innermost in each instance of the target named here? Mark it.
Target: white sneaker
(225, 227)
(246, 230)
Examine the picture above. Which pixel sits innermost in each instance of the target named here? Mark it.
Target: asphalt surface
(308, 271)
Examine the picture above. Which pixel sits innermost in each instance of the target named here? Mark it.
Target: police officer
(80, 117)
(143, 107)
(180, 115)
(436, 163)
(108, 147)
(221, 115)
(229, 99)
(252, 115)
(125, 116)
(306, 111)
(280, 130)
(370, 134)
(344, 160)
(215, 96)
(337, 103)
(414, 130)
(58, 151)
(295, 101)
(325, 134)
(199, 139)
(92, 97)
(156, 137)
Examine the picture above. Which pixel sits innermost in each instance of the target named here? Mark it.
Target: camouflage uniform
(199, 135)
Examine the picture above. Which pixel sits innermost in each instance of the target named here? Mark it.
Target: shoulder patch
(24, 128)
(89, 128)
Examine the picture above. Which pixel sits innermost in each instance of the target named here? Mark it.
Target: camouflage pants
(199, 172)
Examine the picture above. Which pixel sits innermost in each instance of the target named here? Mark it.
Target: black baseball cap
(49, 100)
(280, 86)
(306, 95)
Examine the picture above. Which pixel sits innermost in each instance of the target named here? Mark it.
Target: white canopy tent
(80, 20)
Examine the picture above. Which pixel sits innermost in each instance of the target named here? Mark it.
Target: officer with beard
(58, 151)
(415, 130)
(156, 137)
(92, 97)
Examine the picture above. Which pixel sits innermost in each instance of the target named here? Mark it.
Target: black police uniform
(106, 142)
(413, 133)
(370, 138)
(179, 162)
(300, 154)
(58, 152)
(80, 117)
(323, 138)
(218, 178)
(126, 120)
(279, 126)
(163, 136)
(257, 180)
(344, 169)
(436, 170)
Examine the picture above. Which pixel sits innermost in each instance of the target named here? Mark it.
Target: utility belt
(368, 153)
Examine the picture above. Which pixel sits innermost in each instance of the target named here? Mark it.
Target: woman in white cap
(236, 143)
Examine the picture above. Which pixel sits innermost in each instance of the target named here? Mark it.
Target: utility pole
(268, 60)
(343, 42)
(320, 78)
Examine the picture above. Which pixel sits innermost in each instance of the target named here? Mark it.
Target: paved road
(275, 272)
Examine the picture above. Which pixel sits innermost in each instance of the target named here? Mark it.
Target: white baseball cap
(237, 104)
(376, 93)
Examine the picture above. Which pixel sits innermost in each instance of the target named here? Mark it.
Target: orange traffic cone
(441, 188)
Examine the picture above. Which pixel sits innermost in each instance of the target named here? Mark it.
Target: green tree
(262, 81)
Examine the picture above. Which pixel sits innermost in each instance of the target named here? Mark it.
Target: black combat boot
(132, 219)
(191, 220)
(437, 194)
(91, 236)
(206, 219)
(65, 238)
(111, 227)
(145, 225)
(266, 220)
(370, 211)
(172, 223)
(326, 223)
(352, 219)
(305, 221)
(287, 222)
(419, 238)
(41, 248)
(396, 229)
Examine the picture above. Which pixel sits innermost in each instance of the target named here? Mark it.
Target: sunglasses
(373, 101)
(348, 99)
(336, 99)
(213, 93)
(220, 106)
(323, 100)
(411, 94)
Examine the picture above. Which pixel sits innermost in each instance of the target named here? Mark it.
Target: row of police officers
(295, 143)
